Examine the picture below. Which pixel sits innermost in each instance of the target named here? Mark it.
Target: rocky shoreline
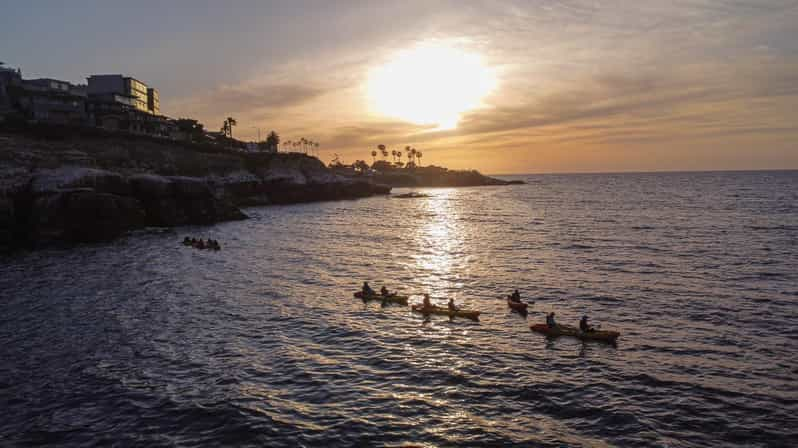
(90, 190)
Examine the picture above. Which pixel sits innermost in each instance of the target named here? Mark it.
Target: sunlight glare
(430, 84)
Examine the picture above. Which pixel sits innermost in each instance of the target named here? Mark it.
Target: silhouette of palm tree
(373, 157)
(419, 154)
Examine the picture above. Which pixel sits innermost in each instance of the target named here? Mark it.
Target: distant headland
(396, 173)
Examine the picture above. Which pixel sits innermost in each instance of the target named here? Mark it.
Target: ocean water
(146, 342)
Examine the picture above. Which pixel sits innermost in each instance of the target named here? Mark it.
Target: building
(51, 100)
(9, 79)
(117, 102)
(115, 87)
(153, 101)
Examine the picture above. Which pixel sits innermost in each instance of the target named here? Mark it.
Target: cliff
(78, 188)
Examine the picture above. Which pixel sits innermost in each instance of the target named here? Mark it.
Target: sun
(431, 84)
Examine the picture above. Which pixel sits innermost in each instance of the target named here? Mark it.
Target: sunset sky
(498, 85)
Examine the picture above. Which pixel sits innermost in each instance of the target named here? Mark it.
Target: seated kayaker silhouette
(384, 291)
(516, 296)
(367, 291)
(583, 325)
(452, 307)
(550, 320)
(427, 303)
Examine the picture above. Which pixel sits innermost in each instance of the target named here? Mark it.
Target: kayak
(518, 306)
(564, 330)
(446, 312)
(394, 298)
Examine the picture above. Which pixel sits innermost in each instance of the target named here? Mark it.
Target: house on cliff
(53, 101)
(117, 102)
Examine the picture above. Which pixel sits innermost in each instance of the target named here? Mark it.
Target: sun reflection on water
(439, 239)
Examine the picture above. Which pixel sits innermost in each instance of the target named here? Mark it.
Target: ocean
(146, 342)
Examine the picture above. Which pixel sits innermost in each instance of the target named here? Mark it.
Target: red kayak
(564, 330)
(518, 306)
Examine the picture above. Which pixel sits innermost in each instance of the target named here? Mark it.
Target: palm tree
(413, 156)
(230, 123)
(399, 156)
(373, 157)
(419, 154)
(393, 155)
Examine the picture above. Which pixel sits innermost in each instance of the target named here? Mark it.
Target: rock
(7, 224)
(190, 187)
(84, 216)
(64, 178)
(150, 186)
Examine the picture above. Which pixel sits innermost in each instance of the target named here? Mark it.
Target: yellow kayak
(394, 298)
(469, 314)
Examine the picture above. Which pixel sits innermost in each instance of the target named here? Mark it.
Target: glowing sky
(560, 85)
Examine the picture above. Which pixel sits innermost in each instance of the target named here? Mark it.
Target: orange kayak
(564, 330)
(518, 306)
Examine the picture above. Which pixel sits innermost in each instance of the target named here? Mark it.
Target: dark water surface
(146, 342)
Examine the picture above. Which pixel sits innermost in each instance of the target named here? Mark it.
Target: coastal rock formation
(87, 189)
(79, 204)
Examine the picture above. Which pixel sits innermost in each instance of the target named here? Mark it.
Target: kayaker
(384, 291)
(187, 241)
(583, 325)
(516, 296)
(550, 320)
(451, 305)
(201, 244)
(427, 303)
(367, 291)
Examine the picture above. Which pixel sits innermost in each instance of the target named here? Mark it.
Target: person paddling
(584, 326)
(452, 307)
(367, 291)
(516, 296)
(550, 320)
(427, 303)
(384, 291)
(187, 241)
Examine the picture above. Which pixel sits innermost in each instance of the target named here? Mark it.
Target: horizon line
(647, 172)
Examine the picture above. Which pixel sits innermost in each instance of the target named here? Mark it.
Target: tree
(232, 122)
(361, 166)
(272, 140)
(399, 156)
(418, 154)
(191, 129)
(373, 157)
(227, 127)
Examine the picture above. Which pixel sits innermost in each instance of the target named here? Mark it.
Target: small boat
(393, 298)
(565, 330)
(517, 306)
(469, 314)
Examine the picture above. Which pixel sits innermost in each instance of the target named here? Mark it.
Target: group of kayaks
(427, 310)
(516, 305)
(202, 244)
